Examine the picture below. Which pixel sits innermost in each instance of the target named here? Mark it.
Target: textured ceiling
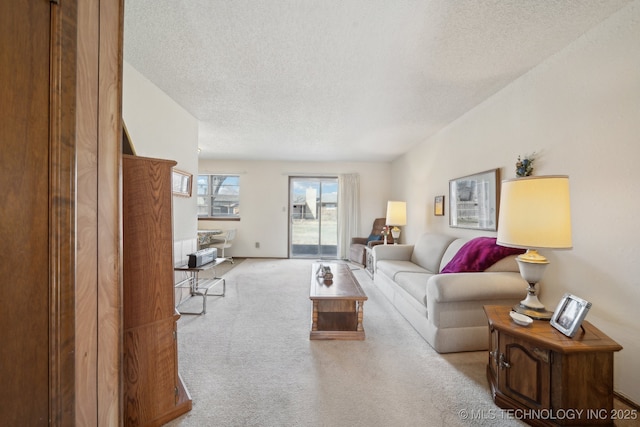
(344, 80)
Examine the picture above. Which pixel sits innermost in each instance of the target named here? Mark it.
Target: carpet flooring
(249, 362)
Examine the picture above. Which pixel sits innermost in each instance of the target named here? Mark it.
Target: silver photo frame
(569, 314)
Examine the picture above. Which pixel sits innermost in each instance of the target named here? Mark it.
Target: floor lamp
(534, 213)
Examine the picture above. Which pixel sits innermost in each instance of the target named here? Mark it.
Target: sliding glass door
(313, 217)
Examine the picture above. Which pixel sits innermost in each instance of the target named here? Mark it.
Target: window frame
(211, 194)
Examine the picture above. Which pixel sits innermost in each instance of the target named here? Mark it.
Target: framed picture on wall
(438, 206)
(181, 183)
(473, 201)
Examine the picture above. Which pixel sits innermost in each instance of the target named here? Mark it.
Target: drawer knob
(503, 363)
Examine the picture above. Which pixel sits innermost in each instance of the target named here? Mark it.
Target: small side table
(537, 370)
(200, 287)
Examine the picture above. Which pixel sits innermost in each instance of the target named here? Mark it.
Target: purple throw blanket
(478, 255)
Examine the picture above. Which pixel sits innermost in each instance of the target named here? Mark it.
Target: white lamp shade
(535, 212)
(396, 213)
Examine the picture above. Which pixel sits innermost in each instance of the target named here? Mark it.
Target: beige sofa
(447, 309)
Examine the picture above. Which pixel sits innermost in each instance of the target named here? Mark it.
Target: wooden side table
(549, 379)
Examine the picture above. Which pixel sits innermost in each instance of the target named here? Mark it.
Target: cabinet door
(524, 372)
(150, 373)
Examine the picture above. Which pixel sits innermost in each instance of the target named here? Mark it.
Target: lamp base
(531, 306)
(532, 266)
(395, 232)
(534, 313)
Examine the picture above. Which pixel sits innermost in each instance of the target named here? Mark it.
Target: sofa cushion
(429, 249)
(391, 267)
(415, 284)
(477, 255)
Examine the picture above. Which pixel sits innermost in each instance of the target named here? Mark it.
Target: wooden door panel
(525, 372)
(150, 383)
(24, 171)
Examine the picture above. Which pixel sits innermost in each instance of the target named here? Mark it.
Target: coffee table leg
(360, 305)
(314, 325)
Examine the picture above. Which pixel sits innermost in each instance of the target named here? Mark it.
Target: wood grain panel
(150, 386)
(24, 90)
(87, 212)
(147, 227)
(590, 388)
(98, 298)
(62, 212)
(109, 209)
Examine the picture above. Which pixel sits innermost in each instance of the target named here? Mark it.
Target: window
(219, 196)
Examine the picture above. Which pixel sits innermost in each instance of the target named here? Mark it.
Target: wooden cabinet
(153, 390)
(550, 379)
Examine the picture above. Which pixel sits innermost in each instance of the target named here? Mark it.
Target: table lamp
(396, 215)
(534, 213)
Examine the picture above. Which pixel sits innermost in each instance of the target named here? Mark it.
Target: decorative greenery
(524, 165)
(385, 231)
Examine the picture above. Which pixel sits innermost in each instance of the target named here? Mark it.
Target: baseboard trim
(624, 399)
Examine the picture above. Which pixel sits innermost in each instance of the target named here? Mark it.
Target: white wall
(159, 127)
(580, 110)
(264, 198)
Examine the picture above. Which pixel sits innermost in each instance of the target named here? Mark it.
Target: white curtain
(348, 211)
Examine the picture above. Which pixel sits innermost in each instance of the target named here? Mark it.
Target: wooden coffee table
(337, 305)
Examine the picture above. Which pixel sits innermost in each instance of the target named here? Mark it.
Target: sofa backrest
(452, 249)
(508, 263)
(429, 250)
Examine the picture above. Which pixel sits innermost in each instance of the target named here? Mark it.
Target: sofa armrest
(373, 243)
(456, 287)
(395, 252)
(359, 240)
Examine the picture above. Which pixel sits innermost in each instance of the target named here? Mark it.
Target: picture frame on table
(473, 201)
(181, 183)
(438, 206)
(569, 314)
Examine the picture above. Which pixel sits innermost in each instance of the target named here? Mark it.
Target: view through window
(219, 196)
(313, 211)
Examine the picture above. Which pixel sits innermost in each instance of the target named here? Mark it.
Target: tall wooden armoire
(153, 390)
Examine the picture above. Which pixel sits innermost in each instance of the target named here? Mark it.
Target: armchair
(357, 252)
